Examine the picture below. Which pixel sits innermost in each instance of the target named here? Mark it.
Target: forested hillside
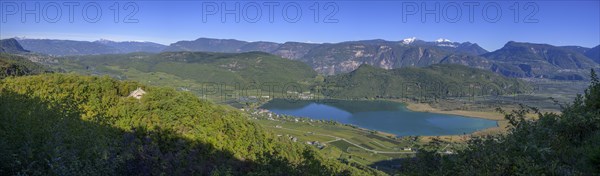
(64, 124)
(436, 81)
(12, 65)
(252, 67)
(554, 144)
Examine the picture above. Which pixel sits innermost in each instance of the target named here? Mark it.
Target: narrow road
(380, 144)
(444, 147)
(332, 140)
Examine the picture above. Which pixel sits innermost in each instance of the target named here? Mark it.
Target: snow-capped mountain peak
(409, 40)
(107, 41)
(104, 41)
(440, 40)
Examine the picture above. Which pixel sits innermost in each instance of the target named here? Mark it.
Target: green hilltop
(65, 124)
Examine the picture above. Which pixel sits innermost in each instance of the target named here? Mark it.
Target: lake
(385, 116)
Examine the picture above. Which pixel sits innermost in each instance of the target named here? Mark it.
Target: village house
(137, 93)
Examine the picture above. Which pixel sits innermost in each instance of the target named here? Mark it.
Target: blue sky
(553, 22)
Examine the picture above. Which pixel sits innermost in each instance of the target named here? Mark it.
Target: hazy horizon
(556, 23)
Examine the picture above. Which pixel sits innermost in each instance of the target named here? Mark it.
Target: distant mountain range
(515, 59)
(130, 46)
(333, 58)
(11, 46)
(222, 45)
(594, 54)
(347, 56)
(72, 47)
(202, 67)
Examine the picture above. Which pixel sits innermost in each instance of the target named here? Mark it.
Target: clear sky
(553, 22)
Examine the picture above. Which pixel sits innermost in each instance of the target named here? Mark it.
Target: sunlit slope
(74, 125)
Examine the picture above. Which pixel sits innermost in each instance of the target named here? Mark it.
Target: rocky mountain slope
(594, 54)
(539, 60)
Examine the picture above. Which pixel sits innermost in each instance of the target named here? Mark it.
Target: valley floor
(344, 142)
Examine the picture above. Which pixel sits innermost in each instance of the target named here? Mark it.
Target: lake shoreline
(421, 107)
(501, 122)
(415, 107)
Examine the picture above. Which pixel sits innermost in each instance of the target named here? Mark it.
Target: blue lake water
(386, 116)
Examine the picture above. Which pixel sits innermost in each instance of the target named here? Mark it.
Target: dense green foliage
(554, 144)
(12, 65)
(61, 124)
(436, 81)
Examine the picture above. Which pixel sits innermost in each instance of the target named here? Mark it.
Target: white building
(137, 93)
